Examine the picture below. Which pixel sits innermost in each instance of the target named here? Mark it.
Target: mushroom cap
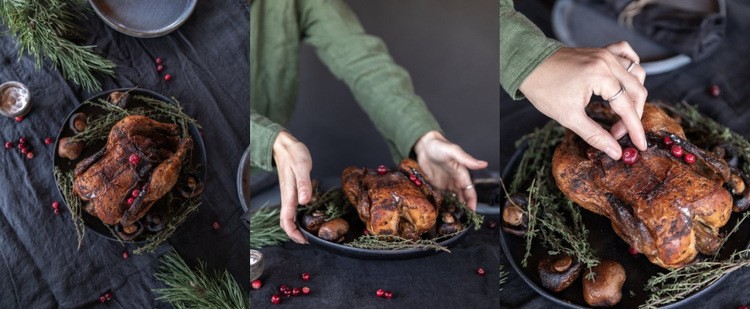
(558, 272)
(606, 288)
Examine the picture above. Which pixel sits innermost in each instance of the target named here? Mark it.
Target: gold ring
(619, 93)
(631, 65)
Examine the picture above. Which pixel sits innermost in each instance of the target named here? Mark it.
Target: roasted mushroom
(129, 232)
(515, 220)
(69, 149)
(605, 289)
(78, 122)
(334, 230)
(448, 224)
(190, 185)
(119, 98)
(313, 221)
(155, 221)
(558, 272)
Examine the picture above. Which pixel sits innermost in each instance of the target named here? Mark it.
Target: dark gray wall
(450, 49)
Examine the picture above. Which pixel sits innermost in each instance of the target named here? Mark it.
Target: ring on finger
(619, 93)
(468, 187)
(631, 65)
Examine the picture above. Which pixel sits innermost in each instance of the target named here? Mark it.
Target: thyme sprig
(677, 284)
(75, 205)
(180, 214)
(378, 242)
(42, 28)
(503, 276)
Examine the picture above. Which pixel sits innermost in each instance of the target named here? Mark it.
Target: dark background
(729, 68)
(450, 49)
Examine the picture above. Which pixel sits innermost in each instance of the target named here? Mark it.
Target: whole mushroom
(515, 219)
(69, 149)
(558, 272)
(129, 232)
(313, 221)
(78, 122)
(334, 230)
(605, 289)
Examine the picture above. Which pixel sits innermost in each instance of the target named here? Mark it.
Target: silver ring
(619, 93)
(468, 187)
(631, 65)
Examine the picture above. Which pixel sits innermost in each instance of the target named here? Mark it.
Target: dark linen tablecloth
(728, 68)
(40, 265)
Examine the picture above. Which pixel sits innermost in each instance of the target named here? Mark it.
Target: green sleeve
(522, 48)
(383, 89)
(263, 134)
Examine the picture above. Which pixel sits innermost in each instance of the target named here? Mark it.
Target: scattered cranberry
(125, 255)
(382, 170)
(742, 307)
(102, 299)
(256, 284)
(305, 290)
(134, 159)
(216, 225)
(480, 272)
(108, 296)
(388, 294)
(629, 156)
(632, 251)
(22, 146)
(8, 145)
(22, 140)
(288, 293)
(167, 77)
(296, 291)
(24, 150)
(380, 293)
(689, 158)
(159, 60)
(677, 151)
(159, 68)
(30, 155)
(48, 140)
(418, 182)
(276, 299)
(19, 118)
(130, 200)
(55, 205)
(56, 211)
(305, 276)
(714, 90)
(668, 141)
(283, 288)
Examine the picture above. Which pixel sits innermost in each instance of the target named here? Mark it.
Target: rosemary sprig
(40, 28)
(199, 288)
(74, 203)
(677, 284)
(180, 215)
(265, 229)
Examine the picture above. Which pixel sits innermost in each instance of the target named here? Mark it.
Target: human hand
(293, 163)
(447, 166)
(562, 86)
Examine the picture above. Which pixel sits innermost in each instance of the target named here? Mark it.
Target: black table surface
(728, 68)
(41, 266)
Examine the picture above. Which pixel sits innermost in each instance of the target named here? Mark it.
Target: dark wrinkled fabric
(40, 266)
(728, 68)
(695, 34)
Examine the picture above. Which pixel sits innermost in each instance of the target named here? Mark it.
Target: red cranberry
(296, 291)
(276, 299)
(480, 272)
(418, 182)
(305, 276)
(159, 60)
(632, 251)
(55, 205)
(134, 159)
(288, 293)
(305, 290)
(668, 141)
(135, 193)
(167, 77)
(382, 170)
(102, 299)
(283, 288)
(216, 225)
(629, 156)
(8, 145)
(108, 296)
(19, 118)
(30, 155)
(48, 140)
(22, 146)
(677, 151)
(689, 158)
(413, 177)
(159, 68)
(125, 255)
(714, 90)
(388, 294)
(22, 140)
(130, 200)
(742, 307)
(380, 293)
(256, 284)
(56, 211)
(24, 150)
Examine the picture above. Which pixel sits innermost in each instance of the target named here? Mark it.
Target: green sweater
(522, 48)
(383, 89)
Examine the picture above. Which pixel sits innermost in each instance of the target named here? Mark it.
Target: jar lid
(15, 99)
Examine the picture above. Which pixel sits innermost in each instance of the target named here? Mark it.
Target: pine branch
(41, 27)
(503, 276)
(199, 288)
(265, 229)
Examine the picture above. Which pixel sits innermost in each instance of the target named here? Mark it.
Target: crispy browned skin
(391, 204)
(661, 206)
(106, 179)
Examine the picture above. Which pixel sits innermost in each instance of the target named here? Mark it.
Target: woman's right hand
(293, 163)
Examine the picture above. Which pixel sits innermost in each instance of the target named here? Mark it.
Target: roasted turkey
(663, 205)
(140, 163)
(397, 202)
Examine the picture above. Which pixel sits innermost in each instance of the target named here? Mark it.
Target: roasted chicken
(140, 163)
(668, 204)
(400, 202)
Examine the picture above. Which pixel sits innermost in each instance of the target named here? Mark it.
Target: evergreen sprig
(199, 288)
(42, 28)
(265, 229)
(503, 276)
